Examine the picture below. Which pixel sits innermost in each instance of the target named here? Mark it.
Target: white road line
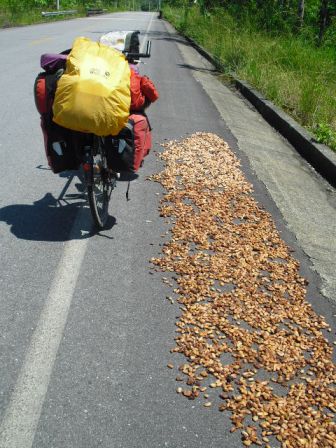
(19, 424)
(147, 30)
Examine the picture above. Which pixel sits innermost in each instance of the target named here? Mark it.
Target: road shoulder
(305, 200)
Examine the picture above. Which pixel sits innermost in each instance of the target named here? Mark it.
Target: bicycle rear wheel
(100, 188)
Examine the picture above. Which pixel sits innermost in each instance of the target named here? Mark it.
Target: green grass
(32, 16)
(294, 74)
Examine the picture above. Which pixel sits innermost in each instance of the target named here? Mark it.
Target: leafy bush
(290, 71)
(324, 134)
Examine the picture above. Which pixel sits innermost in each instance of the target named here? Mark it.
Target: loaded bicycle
(100, 179)
(100, 158)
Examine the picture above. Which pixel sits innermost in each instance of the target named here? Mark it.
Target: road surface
(85, 329)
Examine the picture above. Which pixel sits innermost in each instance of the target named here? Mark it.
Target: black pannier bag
(127, 41)
(121, 150)
(132, 42)
(60, 148)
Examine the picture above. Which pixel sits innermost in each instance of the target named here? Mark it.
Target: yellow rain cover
(93, 95)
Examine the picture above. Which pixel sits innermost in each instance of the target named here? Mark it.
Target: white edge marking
(147, 30)
(21, 418)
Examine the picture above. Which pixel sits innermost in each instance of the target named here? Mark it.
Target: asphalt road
(85, 329)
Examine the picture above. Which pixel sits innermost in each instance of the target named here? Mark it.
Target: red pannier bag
(143, 91)
(40, 94)
(142, 138)
(127, 150)
(148, 89)
(58, 141)
(137, 97)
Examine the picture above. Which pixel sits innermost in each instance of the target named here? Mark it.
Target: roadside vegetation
(27, 12)
(286, 49)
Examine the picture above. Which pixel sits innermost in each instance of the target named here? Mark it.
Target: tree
(301, 11)
(323, 19)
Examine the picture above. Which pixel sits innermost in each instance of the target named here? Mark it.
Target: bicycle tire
(99, 213)
(99, 190)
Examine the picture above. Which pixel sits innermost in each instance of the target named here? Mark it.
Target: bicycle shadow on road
(52, 219)
(44, 220)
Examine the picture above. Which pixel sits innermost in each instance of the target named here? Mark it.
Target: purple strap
(51, 62)
(135, 68)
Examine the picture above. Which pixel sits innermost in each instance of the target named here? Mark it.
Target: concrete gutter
(320, 156)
